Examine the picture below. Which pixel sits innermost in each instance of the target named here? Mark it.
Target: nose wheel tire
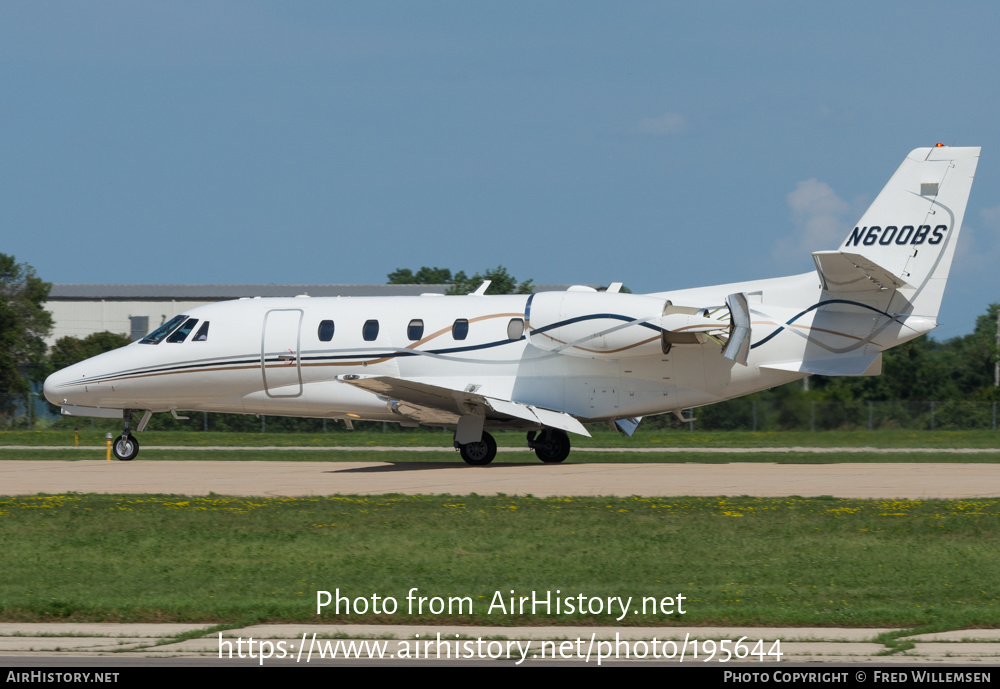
(481, 453)
(125, 447)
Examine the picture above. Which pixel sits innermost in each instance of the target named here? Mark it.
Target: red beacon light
(938, 145)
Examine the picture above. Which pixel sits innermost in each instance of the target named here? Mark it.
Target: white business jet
(549, 362)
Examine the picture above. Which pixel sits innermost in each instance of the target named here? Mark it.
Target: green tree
(23, 325)
(977, 354)
(501, 281)
(70, 350)
(424, 276)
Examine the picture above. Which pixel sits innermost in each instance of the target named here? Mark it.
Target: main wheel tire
(125, 447)
(553, 447)
(481, 453)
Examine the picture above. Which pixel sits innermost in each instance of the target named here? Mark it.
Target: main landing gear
(481, 453)
(551, 446)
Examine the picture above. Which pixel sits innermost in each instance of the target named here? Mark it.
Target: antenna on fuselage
(481, 290)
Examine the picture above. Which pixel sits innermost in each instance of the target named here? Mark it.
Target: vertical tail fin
(906, 239)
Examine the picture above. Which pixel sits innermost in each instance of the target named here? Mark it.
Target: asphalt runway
(847, 480)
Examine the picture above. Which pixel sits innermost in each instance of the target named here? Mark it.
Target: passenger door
(279, 353)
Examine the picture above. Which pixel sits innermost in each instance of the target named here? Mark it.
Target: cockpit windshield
(182, 332)
(157, 335)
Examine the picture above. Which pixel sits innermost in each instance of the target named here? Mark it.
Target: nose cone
(95, 382)
(57, 386)
(78, 384)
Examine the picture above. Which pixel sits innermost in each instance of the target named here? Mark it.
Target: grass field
(745, 561)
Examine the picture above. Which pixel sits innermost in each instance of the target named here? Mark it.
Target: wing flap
(435, 404)
(543, 417)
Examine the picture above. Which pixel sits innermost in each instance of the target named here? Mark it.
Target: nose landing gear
(125, 447)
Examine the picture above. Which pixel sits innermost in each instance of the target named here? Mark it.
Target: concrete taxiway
(137, 644)
(846, 480)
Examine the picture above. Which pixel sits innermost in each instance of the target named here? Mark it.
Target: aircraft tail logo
(906, 239)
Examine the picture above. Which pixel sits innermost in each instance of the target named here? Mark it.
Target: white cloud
(812, 199)
(665, 125)
(820, 217)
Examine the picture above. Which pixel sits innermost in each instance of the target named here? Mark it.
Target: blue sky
(665, 145)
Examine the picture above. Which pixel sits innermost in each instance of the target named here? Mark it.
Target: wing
(433, 404)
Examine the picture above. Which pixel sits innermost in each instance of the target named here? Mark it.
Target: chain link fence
(25, 411)
(20, 412)
(828, 415)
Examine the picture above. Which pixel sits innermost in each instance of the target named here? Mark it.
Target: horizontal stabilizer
(840, 271)
(433, 404)
(865, 365)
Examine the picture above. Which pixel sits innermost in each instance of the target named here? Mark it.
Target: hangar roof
(91, 292)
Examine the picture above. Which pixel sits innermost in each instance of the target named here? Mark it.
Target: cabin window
(460, 330)
(202, 333)
(182, 332)
(370, 331)
(325, 331)
(515, 329)
(415, 330)
(157, 335)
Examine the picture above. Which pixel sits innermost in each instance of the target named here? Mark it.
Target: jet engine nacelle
(595, 324)
(605, 324)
